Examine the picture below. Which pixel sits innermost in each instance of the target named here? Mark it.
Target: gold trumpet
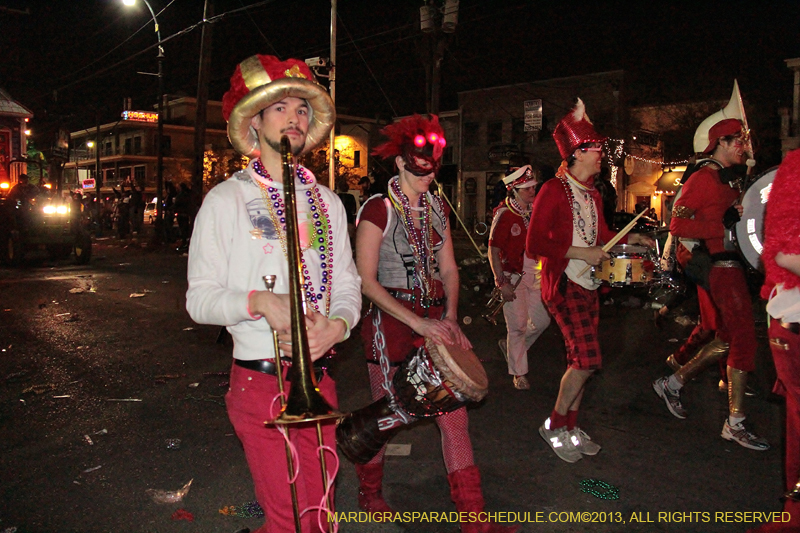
(305, 403)
(496, 302)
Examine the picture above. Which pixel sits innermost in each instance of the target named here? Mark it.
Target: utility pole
(438, 35)
(332, 79)
(201, 117)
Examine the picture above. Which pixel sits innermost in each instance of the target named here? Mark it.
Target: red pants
(248, 401)
(734, 316)
(785, 347)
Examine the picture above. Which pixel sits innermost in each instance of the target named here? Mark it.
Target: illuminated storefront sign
(140, 116)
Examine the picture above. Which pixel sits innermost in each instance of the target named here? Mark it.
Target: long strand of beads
(421, 241)
(322, 239)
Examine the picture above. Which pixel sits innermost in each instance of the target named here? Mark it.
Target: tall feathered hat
(704, 142)
(261, 80)
(418, 140)
(574, 130)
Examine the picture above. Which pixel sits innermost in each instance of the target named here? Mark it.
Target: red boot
(465, 490)
(370, 497)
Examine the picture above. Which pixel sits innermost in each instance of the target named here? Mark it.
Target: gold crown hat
(262, 80)
(733, 109)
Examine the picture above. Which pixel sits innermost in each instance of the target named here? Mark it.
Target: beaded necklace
(421, 241)
(575, 207)
(322, 240)
(517, 209)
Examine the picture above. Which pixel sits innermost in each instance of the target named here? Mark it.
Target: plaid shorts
(578, 317)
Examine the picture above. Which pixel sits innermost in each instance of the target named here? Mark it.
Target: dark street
(101, 367)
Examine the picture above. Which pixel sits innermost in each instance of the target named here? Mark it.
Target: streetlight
(160, 134)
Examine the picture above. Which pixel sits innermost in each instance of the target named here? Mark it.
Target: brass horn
(305, 403)
(496, 302)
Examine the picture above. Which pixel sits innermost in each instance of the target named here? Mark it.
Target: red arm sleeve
(698, 194)
(374, 210)
(550, 229)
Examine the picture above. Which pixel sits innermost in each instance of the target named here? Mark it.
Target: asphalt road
(101, 366)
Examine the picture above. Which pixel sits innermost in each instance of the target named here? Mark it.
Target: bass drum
(749, 231)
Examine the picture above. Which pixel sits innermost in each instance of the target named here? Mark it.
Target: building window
(137, 145)
(356, 158)
(138, 174)
(471, 134)
(494, 132)
(108, 149)
(108, 177)
(128, 146)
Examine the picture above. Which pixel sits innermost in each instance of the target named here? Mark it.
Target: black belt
(266, 366)
(794, 327)
(424, 302)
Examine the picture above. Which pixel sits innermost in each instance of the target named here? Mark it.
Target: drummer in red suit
(781, 259)
(404, 254)
(708, 204)
(525, 314)
(567, 231)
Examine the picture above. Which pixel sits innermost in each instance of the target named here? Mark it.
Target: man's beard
(277, 146)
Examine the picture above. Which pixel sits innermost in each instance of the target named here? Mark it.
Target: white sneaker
(672, 399)
(561, 441)
(584, 443)
(740, 435)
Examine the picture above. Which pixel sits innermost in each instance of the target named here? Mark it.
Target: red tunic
(550, 233)
(509, 234)
(708, 198)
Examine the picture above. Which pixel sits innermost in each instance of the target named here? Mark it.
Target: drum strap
(399, 416)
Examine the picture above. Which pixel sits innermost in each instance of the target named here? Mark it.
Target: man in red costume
(567, 232)
(781, 259)
(708, 204)
(525, 314)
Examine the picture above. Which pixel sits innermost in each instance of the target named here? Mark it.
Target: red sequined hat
(418, 140)
(574, 130)
(261, 80)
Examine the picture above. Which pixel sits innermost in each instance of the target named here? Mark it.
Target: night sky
(70, 60)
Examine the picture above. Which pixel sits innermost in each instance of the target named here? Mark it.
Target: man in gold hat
(239, 237)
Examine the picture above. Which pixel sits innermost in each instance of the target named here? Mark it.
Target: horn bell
(733, 109)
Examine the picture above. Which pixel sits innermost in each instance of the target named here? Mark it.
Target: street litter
(194, 385)
(173, 444)
(63, 396)
(169, 496)
(673, 340)
(183, 514)
(398, 449)
(39, 389)
(123, 400)
(137, 295)
(76, 290)
(467, 320)
(9, 530)
(101, 432)
(188, 329)
(88, 440)
(92, 469)
(684, 320)
(63, 314)
(247, 510)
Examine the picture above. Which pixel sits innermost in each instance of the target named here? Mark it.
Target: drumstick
(624, 231)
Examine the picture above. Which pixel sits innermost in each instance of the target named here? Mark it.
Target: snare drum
(628, 265)
(439, 381)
